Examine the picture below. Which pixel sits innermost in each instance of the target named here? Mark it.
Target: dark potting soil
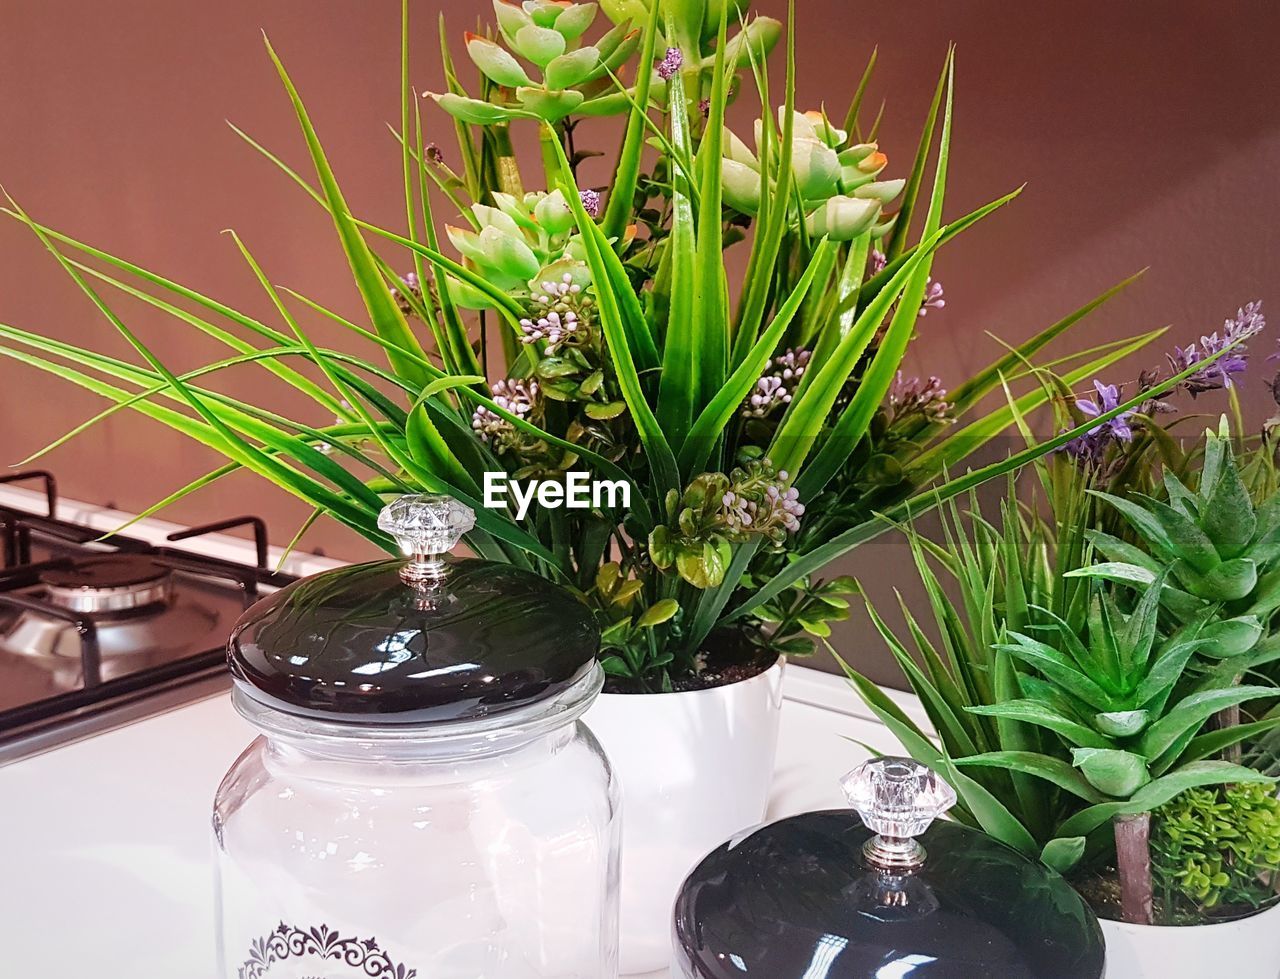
(730, 663)
(1101, 892)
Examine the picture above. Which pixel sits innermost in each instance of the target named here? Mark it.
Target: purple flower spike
(590, 201)
(878, 261)
(1090, 446)
(670, 64)
(911, 396)
(1108, 399)
(1247, 323)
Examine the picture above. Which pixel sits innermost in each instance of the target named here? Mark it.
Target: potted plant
(547, 329)
(1075, 700)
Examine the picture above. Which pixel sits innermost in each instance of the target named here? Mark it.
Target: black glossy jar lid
(826, 895)
(429, 640)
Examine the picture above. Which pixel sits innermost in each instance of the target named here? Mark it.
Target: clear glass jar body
(468, 851)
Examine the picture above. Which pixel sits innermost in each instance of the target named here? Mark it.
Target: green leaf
(1193, 711)
(498, 65)
(1063, 853)
(1043, 766)
(572, 68)
(1138, 634)
(658, 613)
(618, 213)
(711, 324)
(1228, 582)
(906, 210)
(383, 311)
(549, 106)
(1227, 638)
(1219, 740)
(1117, 773)
(541, 45)
(705, 566)
(1168, 668)
(1122, 552)
(1145, 523)
(1228, 516)
(474, 111)
(774, 218)
(611, 304)
(1159, 791)
(1041, 715)
(678, 384)
(713, 419)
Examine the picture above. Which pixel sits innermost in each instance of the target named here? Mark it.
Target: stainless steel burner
(96, 632)
(107, 584)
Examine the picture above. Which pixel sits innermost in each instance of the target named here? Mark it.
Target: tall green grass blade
(298, 381)
(713, 419)
(906, 210)
(855, 104)
(928, 500)
(771, 227)
(679, 383)
(817, 394)
(287, 478)
(466, 146)
(618, 212)
(855, 420)
(383, 311)
(657, 448)
(711, 288)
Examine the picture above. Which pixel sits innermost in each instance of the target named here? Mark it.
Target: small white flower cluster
(781, 507)
(932, 297)
(778, 385)
(558, 323)
(514, 395)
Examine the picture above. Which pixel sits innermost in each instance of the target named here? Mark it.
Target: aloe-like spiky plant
(758, 430)
(1067, 696)
(1125, 707)
(1219, 549)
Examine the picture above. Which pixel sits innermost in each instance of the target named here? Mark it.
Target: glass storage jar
(826, 895)
(423, 800)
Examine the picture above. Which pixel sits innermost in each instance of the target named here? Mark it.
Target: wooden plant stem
(1229, 717)
(1133, 862)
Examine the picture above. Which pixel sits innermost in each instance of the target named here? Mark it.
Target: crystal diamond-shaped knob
(427, 526)
(897, 799)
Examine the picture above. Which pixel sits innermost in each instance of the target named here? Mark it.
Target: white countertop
(105, 849)
(105, 859)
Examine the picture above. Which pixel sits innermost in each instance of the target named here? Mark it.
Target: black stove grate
(33, 544)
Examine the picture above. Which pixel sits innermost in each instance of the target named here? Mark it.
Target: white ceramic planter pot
(1245, 949)
(695, 768)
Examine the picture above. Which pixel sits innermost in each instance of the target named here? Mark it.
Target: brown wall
(1147, 136)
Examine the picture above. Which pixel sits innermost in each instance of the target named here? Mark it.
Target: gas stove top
(95, 633)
